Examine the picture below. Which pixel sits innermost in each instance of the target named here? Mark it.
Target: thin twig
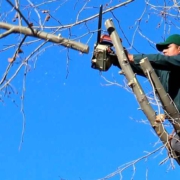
(10, 64)
(25, 20)
(22, 108)
(19, 16)
(88, 19)
(127, 165)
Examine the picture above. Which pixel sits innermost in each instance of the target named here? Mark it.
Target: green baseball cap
(173, 39)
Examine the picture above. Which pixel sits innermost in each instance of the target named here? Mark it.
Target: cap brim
(161, 46)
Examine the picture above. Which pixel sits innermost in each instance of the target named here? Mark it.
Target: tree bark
(140, 95)
(43, 35)
(170, 109)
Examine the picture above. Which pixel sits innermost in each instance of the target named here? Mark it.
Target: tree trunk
(133, 83)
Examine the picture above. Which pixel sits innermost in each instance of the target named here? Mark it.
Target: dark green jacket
(168, 70)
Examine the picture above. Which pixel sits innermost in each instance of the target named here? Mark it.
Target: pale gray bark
(28, 31)
(170, 109)
(133, 83)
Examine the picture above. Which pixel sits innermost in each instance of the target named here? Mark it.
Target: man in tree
(167, 68)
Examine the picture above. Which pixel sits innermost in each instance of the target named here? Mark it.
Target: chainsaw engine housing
(101, 57)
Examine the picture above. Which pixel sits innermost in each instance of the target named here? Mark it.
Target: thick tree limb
(168, 105)
(45, 36)
(140, 95)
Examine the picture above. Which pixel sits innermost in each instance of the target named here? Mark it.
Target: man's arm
(158, 61)
(135, 66)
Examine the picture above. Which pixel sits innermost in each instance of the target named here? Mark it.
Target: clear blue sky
(76, 127)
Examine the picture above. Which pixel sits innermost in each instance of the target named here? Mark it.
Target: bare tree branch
(138, 91)
(19, 12)
(129, 164)
(45, 36)
(90, 18)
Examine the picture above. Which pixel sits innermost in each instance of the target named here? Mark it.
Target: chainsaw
(103, 50)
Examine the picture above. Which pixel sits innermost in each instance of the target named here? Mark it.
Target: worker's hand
(114, 59)
(170, 137)
(129, 56)
(160, 118)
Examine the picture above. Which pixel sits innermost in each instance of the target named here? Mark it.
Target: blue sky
(77, 127)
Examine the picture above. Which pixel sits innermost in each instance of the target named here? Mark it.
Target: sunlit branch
(8, 32)
(46, 36)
